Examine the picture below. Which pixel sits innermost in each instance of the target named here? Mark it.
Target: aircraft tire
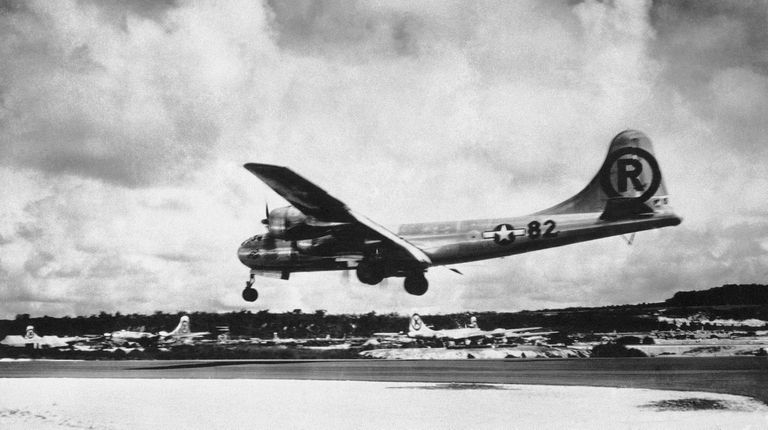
(369, 274)
(416, 284)
(250, 294)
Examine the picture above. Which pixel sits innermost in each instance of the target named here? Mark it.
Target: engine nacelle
(283, 220)
(318, 246)
(289, 223)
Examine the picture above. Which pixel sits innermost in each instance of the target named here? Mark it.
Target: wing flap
(419, 255)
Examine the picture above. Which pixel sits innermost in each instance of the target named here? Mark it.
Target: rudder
(181, 329)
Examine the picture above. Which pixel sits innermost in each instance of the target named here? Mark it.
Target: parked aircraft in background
(399, 338)
(183, 331)
(319, 232)
(329, 343)
(124, 337)
(417, 329)
(277, 340)
(526, 334)
(31, 339)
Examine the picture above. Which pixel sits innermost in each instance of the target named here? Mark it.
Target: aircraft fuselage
(453, 242)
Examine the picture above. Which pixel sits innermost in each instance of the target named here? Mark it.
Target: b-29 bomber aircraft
(318, 232)
(469, 334)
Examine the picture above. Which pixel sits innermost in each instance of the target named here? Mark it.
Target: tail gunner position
(318, 232)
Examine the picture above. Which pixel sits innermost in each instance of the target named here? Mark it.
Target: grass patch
(688, 404)
(456, 386)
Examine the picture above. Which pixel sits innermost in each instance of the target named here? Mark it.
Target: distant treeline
(262, 324)
(729, 294)
(298, 324)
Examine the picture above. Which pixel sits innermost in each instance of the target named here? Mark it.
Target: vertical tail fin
(472, 322)
(182, 328)
(628, 183)
(417, 327)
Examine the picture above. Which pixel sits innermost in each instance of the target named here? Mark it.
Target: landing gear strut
(249, 293)
(416, 284)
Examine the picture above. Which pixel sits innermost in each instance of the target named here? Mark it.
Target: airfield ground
(730, 375)
(216, 403)
(661, 392)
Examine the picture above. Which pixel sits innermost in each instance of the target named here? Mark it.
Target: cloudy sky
(124, 127)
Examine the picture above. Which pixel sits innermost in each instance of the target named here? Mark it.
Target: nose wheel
(249, 293)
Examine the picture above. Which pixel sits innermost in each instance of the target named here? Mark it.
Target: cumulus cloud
(123, 126)
(128, 100)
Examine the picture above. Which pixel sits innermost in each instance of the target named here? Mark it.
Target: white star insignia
(503, 233)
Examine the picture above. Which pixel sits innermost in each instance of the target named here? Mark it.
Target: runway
(352, 394)
(746, 376)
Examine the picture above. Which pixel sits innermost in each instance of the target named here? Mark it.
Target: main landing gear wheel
(416, 284)
(369, 274)
(249, 293)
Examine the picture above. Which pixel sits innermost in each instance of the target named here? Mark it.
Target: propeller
(453, 270)
(345, 275)
(265, 221)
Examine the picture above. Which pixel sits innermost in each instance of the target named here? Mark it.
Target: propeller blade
(345, 276)
(265, 221)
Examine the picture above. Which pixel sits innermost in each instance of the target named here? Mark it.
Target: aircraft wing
(530, 334)
(190, 335)
(519, 330)
(302, 194)
(461, 334)
(315, 202)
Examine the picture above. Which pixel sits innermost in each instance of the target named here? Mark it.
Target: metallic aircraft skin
(460, 241)
(463, 241)
(320, 233)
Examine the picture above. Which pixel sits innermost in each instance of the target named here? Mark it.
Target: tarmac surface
(136, 404)
(746, 376)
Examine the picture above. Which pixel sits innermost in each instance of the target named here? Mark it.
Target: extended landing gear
(370, 274)
(416, 284)
(249, 293)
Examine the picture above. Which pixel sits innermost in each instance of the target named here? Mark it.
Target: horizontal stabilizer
(624, 208)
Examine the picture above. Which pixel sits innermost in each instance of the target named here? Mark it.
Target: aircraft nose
(242, 254)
